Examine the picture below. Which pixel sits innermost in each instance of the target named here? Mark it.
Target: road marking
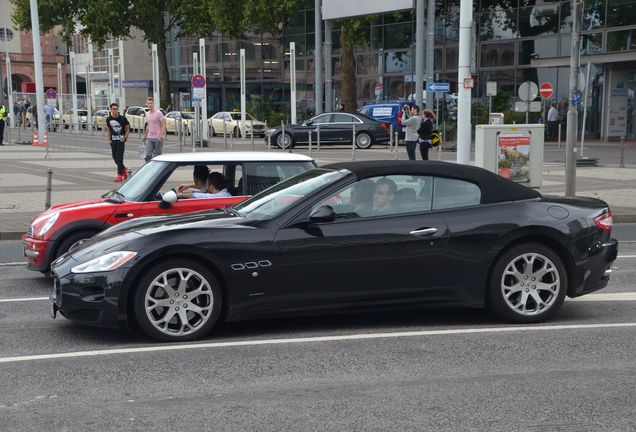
(317, 339)
(626, 256)
(10, 264)
(17, 300)
(624, 296)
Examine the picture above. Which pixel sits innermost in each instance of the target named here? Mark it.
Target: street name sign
(438, 87)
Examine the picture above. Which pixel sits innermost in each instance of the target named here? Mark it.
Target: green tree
(111, 19)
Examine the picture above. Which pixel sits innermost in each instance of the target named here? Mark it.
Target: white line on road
(10, 264)
(23, 299)
(317, 339)
(624, 296)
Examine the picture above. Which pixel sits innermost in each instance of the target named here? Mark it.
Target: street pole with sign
(491, 90)
(37, 60)
(464, 133)
(75, 117)
(292, 80)
(12, 120)
(243, 96)
(204, 101)
(572, 118)
(419, 52)
(60, 89)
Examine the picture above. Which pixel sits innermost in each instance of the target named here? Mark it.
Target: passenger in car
(217, 188)
(383, 196)
(362, 197)
(200, 177)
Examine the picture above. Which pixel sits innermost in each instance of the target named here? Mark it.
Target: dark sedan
(348, 236)
(335, 128)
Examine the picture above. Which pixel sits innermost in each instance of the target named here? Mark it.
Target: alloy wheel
(179, 302)
(363, 140)
(530, 284)
(283, 141)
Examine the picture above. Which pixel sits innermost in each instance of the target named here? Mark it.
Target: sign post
(528, 92)
(545, 91)
(491, 90)
(198, 94)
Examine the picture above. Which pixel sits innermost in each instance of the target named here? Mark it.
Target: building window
(621, 40)
(5, 34)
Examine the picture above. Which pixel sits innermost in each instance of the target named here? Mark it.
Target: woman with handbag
(425, 131)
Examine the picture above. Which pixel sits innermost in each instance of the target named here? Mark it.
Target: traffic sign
(198, 81)
(198, 93)
(469, 83)
(51, 94)
(438, 87)
(546, 90)
(525, 107)
(491, 88)
(528, 91)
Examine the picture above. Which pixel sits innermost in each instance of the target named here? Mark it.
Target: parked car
(347, 236)
(387, 112)
(52, 232)
(335, 128)
(99, 119)
(30, 117)
(136, 116)
(69, 121)
(174, 117)
(233, 124)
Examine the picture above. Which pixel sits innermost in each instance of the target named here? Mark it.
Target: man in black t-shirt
(118, 131)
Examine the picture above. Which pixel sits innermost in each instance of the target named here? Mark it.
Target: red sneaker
(119, 178)
(125, 173)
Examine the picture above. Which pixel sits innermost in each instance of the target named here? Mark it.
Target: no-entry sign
(546, 90)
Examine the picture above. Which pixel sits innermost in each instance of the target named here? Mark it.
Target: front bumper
(90, 298)
(596, 269)
(37, 252)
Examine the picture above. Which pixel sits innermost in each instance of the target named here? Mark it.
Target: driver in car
(217, 188)
(383, 195)
(200, 177)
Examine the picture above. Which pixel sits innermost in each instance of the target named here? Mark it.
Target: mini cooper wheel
(364, 140)
(177, 300)
(284, 141)
(528, 284)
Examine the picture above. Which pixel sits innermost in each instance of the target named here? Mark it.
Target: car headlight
(105, 263)
(50, 221)
(270, 131)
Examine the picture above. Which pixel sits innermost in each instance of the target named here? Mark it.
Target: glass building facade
(513, 41)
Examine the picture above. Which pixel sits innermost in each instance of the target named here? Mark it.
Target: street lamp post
(572, 117)
(37, 60)
(74, 91)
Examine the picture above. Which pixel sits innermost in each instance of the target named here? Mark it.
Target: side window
(380, 196)
(183, 174)
(364, 110)
(343, 118)
(322, 119)
(238, 180)
(452, 193)
(258, 176)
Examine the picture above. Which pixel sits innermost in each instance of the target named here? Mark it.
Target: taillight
(386, 126)
(604, 221)
(400, 118)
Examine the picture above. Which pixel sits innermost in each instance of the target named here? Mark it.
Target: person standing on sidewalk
(553, 121)
(118, 131)
(3, 115)
(411, 120)
(424, 132)
(154, 131)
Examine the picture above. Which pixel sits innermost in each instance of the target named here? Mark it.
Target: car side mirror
(309, 122)
(324, 213)
(168, 199)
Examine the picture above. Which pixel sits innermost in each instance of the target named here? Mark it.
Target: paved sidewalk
(88, 174)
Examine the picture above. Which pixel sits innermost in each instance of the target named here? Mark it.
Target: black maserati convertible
(344, 237)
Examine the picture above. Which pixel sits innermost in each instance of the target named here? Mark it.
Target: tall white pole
(122, 74)
(60, 90)
(292, 80)
(196, 104)
(9, 91)
(328, 67)
(74, 91)
(430, 52)
(204, 101)
(573, 113)
(37, 60)
(89, 96)
(464, 129)
(419, 52)
(155, 76)
(243, 95)
(318, 55)
(587, 84)
(111, 77)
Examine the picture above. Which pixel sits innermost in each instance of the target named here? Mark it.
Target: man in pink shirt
(155, 129)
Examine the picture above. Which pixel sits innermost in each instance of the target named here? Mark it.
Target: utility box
(496, 118)
(512, 151)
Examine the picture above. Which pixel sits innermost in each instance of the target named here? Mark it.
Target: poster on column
(513, 154)
(617, 115)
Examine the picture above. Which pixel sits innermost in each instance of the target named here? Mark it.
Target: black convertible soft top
(494, 188)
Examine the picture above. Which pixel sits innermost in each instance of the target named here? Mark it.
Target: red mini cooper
(52, 232)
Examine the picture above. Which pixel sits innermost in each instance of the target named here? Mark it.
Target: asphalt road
(455, 370)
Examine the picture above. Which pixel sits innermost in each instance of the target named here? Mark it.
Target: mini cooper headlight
(105, 263)
(50, 221)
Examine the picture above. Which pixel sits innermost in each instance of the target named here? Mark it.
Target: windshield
(275, 200)
(186, 115)
(237, 116)
(136, 188)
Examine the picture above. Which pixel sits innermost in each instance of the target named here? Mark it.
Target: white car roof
(244, 156)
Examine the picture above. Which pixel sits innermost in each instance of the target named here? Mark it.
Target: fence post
(318, 137)
(395, 142)
(49, 188)
(224, 134)
(621, 161)
(559, 137)
(390, 137)
(252, 132)
(309, 136)
(179, 134)
(353, 143)
(269, 142)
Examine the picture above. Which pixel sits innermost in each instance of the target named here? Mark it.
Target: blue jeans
(410, 149)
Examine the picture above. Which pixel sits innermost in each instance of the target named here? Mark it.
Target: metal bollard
(252, 133)
(180, 135)
(192, 138)
(395, 150)
(224, 134)
(353, 143)
(269, 142)
(309, 137)
(318, 137)
(390, 137)
(49, 188)
(559, 136)
(621, 161)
